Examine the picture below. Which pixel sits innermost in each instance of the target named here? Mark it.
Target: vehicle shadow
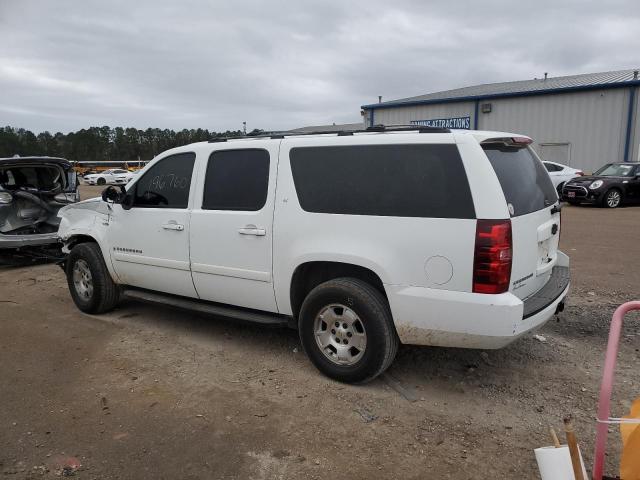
(413, 364)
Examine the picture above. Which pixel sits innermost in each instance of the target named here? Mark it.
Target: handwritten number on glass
(169, 181)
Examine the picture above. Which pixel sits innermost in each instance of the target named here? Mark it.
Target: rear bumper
(19, 241)
(425, 316)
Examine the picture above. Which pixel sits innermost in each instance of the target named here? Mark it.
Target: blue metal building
(580, 120)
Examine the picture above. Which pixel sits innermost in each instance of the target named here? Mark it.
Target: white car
(108, 177)
(560, 174)
(360, 240)
(132, 175)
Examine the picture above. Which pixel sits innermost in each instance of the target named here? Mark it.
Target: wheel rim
(613, 198)
(82, 279)
(340, 334)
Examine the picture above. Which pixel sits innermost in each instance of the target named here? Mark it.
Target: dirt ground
(150, 392)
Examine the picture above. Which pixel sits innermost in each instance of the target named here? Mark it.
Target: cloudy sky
(66, 65)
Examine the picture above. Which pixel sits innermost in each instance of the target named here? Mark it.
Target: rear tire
(612, 198)
(353, 321)
(90, 284)
(101, 181)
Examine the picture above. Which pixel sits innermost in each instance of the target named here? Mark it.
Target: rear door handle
(252, 230)
(173, 226)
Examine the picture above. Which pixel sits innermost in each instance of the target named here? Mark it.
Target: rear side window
(524, 180)
(551, 167)
(236, 180)
(166, 184)
(383, 180)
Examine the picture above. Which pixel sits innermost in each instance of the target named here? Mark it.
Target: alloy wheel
(613, 199)
(82, 279)
(340, 334)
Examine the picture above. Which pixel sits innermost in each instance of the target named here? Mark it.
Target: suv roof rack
(341, 133)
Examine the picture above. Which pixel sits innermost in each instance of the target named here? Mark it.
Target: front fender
(88, 219)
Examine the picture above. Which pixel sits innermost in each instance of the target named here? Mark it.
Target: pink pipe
(607, 385)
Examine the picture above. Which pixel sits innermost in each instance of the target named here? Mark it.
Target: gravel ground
(151, 392)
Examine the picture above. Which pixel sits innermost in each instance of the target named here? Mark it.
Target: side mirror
(111, 194)
(126, 201)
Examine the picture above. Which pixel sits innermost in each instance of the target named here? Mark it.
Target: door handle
(252, 230)
(173, 226)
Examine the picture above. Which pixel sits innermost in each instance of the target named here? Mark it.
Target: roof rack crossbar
(341, 133)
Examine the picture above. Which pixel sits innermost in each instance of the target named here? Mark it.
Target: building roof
(327, 128)
(586, 81)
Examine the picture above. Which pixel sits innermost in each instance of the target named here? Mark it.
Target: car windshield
(615, 170)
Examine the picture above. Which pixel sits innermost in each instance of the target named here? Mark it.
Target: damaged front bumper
(28, 240)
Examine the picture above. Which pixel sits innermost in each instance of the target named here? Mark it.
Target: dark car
(32, 190)
(610, 186)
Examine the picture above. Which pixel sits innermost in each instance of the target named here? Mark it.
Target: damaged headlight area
(67, 197)
(5, 198)
(32, 191)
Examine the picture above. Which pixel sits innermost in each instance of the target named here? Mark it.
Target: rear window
(524, 180)
(383, 180)
(236, 180)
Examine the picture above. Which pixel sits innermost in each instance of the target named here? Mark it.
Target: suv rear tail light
(579, 173)
(492, 258)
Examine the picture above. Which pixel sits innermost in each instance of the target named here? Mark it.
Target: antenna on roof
(635, 74)
(545, 75)
(379, 98)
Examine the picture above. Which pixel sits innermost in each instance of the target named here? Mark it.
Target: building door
(556, 152)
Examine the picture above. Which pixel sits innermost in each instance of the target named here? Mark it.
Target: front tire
(612, 199)
(347, 331)
(101, 181)
(90, 285)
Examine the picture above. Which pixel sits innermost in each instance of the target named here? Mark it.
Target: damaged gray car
(32, 190)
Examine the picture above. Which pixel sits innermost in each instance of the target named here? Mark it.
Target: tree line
(103, 143)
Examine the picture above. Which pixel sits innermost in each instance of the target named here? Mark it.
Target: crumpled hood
(96, 204)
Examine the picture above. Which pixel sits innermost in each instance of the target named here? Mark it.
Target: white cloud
(66, 64)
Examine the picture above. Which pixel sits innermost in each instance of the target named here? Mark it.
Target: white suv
(361, 240)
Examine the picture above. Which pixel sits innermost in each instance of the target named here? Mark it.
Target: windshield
(615, 170)
(524, 180)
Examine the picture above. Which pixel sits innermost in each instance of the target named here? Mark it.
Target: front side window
(236, 180)
(419, 180)
(166, 184)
